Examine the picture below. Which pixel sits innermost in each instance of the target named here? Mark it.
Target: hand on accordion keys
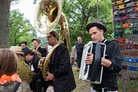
(104, 62)
(89, 58)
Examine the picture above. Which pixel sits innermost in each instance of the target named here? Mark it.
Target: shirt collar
(104, 41)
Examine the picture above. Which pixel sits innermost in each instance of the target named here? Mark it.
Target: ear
(102, 31)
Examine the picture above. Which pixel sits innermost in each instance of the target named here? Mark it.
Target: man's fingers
(89, 58)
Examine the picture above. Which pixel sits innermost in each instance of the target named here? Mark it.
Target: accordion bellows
(94, 71)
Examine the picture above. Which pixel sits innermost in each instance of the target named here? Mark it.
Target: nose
(92, 36)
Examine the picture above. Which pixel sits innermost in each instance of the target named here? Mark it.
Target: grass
(82, 86)
(124, 85)
(128, 85)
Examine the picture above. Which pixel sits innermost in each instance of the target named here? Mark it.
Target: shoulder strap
(16, 87)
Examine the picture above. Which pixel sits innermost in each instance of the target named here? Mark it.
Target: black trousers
(79, 63)
(105, 89)
(39, 85)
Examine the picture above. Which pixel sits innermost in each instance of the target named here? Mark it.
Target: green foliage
(81, 12)
(20, 28)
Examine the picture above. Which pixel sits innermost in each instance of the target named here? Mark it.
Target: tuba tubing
(43, 63)
(48, 14)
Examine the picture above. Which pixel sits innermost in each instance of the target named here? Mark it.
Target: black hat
(26, 50)
(36, 40)
(96, 23)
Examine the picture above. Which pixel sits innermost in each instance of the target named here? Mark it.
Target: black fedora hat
(96, 23)
(26, 50)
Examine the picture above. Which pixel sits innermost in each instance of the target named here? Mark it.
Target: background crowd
(51, 71)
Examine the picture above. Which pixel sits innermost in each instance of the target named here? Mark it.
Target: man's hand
(89, 58)
(106, 62)
(49, 77)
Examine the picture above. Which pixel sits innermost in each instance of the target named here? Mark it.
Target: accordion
(92, 72)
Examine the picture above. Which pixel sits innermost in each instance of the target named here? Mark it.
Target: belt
(105, 89)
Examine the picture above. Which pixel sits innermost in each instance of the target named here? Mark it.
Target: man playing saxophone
(112, 61)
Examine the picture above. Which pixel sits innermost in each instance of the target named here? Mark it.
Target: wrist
(53, 77)
(102, 62)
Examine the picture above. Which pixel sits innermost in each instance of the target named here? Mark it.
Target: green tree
(80, 12)
(20, 28)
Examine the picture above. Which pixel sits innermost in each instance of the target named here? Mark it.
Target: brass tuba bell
(47, 15)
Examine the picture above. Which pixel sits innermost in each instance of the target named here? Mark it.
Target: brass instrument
(64, 30)
(43, 63)
(48, 15)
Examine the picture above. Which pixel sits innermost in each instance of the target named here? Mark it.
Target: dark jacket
(113, 53)
(38, 73)
(37, 78)
(61, 68)
(43, 51)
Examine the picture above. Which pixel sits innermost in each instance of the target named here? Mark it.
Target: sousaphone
(48, 15)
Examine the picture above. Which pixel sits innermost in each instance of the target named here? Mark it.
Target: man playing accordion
(112, 62)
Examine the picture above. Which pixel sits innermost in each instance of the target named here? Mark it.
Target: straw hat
(16, 49)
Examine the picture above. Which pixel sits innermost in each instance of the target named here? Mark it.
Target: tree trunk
(4, 23)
